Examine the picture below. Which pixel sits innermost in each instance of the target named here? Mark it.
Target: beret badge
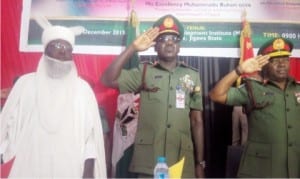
(278, 44)
(168, 22)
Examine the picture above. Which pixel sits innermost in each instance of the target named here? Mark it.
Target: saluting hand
(254, 64)
(146, 40)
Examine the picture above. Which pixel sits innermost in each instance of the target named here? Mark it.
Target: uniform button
(169, 125)
(290, 144)
(289, 126)
(171, 88)
(287, 109)
(287, 95)
(170, 106)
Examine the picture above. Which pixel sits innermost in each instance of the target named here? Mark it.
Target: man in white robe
(50, 122)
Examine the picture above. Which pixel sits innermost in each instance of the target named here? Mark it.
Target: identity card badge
(180, 97)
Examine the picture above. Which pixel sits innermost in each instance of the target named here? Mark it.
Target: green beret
(169, 24)
(276, 47)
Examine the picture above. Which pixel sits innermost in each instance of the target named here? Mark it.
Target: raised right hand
(254, 64)
(146, 40)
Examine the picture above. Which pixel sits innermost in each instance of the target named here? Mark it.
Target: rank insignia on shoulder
(155, 63)
(148, 62)
(183, 64)
(240, 86)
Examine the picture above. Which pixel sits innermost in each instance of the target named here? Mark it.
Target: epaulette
(145, 63)
(296, 81)
(293, 80)
(253, 78)
(148, 62)
(153, 63)
(262, 81)
(183, 64)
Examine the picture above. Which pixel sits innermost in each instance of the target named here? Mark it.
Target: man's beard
(56, 68)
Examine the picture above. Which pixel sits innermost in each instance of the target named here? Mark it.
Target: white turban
(57, 32)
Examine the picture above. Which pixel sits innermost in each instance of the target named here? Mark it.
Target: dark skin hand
(198, 135)
(141, 43)
(219, 92)
(88, 171)
(1, 159)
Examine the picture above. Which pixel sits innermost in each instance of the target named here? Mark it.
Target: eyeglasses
(61, 46)
(167, 38)
(277, 61)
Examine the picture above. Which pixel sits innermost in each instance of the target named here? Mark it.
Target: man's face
(59, 49)
(167, 46)
(278, 68)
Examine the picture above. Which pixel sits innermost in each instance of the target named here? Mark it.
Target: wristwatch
(238, 71)
(202, 163)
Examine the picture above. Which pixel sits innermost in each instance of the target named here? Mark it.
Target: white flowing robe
(51, 127)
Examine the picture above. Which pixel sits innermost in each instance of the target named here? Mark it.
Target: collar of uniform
(156, 64)
(179, 64)
(183, 64)
(293, 80)
(290, 80)
(256, 80)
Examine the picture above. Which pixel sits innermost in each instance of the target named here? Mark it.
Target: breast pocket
(264, 99)
(143, 149)
(187, 151)
(256, 161)
(155, 91)
(155, 97)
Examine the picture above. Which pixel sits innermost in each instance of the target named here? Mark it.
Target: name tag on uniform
(180, 98)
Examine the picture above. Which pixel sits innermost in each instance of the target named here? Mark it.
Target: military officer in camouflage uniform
(273, 105)
(171, 101)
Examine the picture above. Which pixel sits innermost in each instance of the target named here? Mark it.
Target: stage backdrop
(212, 28)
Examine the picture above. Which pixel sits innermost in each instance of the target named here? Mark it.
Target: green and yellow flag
(122, 165)
(246, 46)
(132, 32)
